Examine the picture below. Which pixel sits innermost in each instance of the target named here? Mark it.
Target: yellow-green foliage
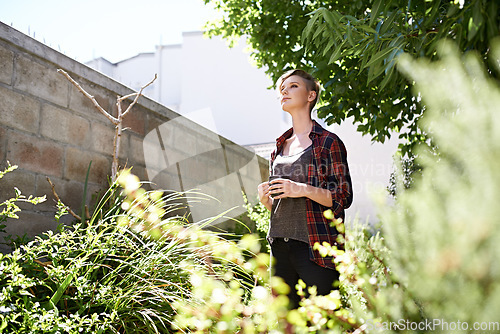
(445, 231)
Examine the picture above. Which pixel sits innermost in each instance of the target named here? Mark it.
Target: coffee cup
(274, 177)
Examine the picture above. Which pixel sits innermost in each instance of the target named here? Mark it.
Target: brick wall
(48, 128)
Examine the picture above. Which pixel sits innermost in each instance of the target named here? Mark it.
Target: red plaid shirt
(328, 170)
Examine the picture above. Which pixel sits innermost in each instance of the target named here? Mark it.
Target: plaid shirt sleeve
(338, 178)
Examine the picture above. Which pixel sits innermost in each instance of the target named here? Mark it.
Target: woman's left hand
(287, 187)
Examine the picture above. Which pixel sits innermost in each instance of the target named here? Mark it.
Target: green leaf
(366, 28)
(432, 13)
(377, 29)
(60, 290)
(375, 11)
(349, 35)
(387, 78)
(336, 54)
(329, 45)
(388, 23)
(397, 42)
(379, 56)
(375, 70)
(366, 55)
(459, 34)
(4, 324)
(85, 193)
(330, 19)
(491, 21)
(306, 33)
(352, 19)
(452, 9)
(475, 22)
(318, 31)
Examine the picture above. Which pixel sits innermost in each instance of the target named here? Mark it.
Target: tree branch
(59, 200)
(84, 92)
(117, 121)
(136, 97)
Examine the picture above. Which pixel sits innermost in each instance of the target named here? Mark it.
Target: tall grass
(108, 274)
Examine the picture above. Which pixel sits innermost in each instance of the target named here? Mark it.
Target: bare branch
(84, 92)
(43, 264)
(121, 98)
(59, 200)
(116, 146)
(87, 212)
(117, 121)
(138, 95)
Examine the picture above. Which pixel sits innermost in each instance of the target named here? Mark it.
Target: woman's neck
(302, 124)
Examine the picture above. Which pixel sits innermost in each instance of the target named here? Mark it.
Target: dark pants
(292, 263)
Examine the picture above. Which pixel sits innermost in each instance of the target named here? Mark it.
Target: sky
(112, 29)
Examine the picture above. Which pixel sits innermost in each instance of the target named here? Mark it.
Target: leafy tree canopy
(351, 46)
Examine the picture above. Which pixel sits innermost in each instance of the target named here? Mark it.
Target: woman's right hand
(264, 195)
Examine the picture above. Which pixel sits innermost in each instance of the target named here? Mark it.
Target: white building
(219, 88)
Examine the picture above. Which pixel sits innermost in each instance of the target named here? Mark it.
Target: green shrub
(444, 231)
(10, 208)
(261, 216)
(112, 273)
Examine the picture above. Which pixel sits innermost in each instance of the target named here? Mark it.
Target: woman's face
(294, 94)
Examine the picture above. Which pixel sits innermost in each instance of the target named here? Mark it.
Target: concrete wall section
(48, 128)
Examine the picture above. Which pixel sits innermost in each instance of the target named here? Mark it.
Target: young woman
(310, 164)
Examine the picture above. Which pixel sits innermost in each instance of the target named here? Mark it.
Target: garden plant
(117, 272)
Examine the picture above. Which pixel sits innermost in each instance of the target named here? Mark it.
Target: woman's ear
(312, 96)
